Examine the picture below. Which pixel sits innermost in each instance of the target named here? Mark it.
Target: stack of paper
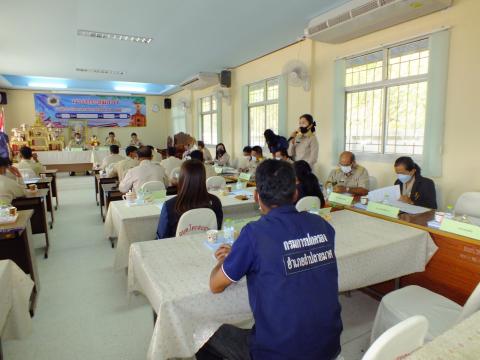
(392, 194)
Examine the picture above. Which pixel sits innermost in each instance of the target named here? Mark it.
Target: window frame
(263, 103)
(385, 84)
(217, 112)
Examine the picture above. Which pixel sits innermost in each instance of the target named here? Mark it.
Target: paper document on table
(390, 192)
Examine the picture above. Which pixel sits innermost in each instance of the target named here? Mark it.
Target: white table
(131, 224)
(71, 157)
(15, 290)
(174, 275)
(459, 343)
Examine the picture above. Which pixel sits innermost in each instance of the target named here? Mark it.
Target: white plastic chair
(28, 174)
(372, 183)
(153, 186)
(468, 204)
(442, 313)
(196, 221)
(216, 183)
(175, 174)
(399, 340)
(307, 203)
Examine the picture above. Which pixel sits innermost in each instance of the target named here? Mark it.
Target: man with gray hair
(349, 177)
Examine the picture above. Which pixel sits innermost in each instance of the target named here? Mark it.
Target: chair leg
(154, 318)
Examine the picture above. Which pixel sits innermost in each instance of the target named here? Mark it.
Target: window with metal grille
(262, 110)
(208, 120)
(386, 98)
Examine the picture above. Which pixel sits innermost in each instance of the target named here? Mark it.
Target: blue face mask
(404, 178)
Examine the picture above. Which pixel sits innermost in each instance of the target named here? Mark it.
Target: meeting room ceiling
(41, 38)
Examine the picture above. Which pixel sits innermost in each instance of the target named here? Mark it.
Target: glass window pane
(408, 59)
(364, 69)
(271, 119)
(272, 89)
(256, 93)
(405, 127)
(214, 130)
(256, 125)
(206, 104)
(214, 103)
(207, 129)
(364, 121)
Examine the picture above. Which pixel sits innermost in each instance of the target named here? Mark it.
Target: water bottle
(449, 213)
(239, 185)
(329, 189)
(228, 231)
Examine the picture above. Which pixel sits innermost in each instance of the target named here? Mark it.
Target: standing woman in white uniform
(303, 144)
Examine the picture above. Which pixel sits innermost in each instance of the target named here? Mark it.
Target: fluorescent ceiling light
(48, 85)
(129, 88)
(114, 36)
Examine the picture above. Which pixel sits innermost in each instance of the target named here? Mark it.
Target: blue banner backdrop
(98, 110)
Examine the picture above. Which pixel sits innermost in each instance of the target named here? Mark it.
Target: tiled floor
(83, 311)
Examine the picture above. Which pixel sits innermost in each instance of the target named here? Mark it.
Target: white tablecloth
(461, 342)
(15, 290)
(174, 275)
(71, 157)
(139, 223)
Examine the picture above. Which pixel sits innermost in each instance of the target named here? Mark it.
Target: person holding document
(415, 189)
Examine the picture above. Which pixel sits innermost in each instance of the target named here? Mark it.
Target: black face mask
(304, 130)
(221, 152)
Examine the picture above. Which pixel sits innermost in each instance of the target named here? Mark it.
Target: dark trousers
(228, 342)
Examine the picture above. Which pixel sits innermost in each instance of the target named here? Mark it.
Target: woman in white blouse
(221, 156)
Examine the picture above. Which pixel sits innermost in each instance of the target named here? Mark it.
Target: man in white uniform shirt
(120, 168)
(113, 158)
(171, 162)
(145, 172)
(9, 189)
(27, 161)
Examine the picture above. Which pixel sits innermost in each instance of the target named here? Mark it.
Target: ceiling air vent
(339, 19)
(361, 17)
(319, 27)
(369, 6)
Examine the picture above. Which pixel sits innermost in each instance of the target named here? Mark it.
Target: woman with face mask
(415, 189)
(303, 144)
(221, 156)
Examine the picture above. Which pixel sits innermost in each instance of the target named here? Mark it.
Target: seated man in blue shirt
(289, 261)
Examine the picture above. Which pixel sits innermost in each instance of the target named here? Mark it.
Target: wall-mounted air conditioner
(362, 17)
(201, 81)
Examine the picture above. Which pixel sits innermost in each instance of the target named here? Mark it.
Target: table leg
(54, 190)
(50, 205)
(96, 189)
(397, 283)
(100, 195)
(45, 225)
(112, 240)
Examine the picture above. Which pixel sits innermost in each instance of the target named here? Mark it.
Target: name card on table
(340, 199)
(244, 177)
(460, 228)
(382, 209)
